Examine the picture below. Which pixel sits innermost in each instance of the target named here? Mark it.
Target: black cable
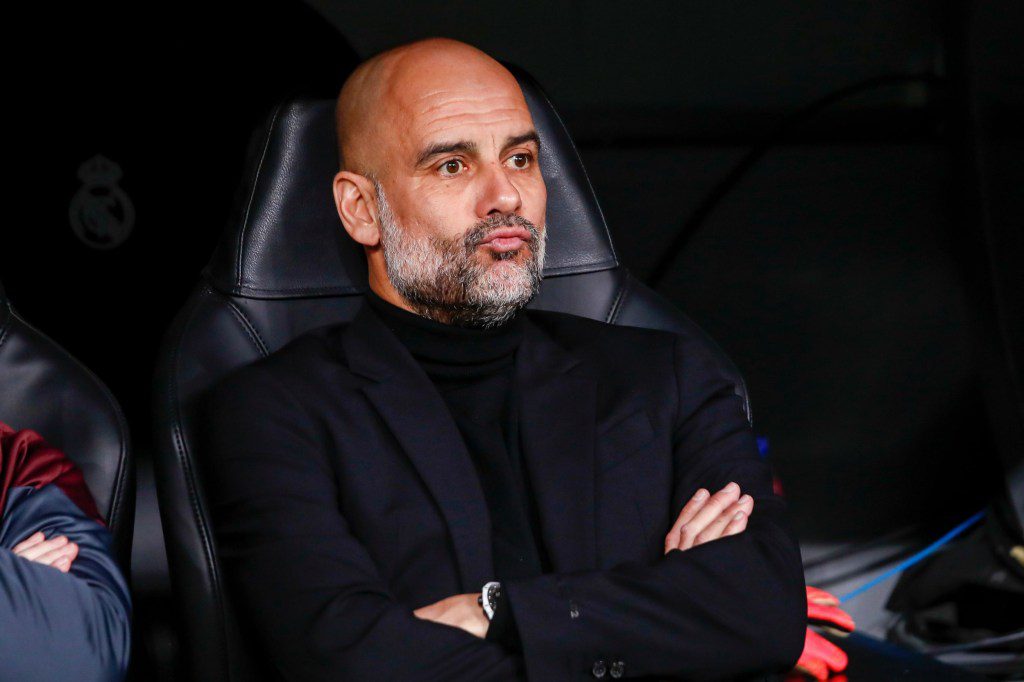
(995, 666)
(1009, 638)
(713, 198)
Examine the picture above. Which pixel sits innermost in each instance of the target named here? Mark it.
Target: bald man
(453, 487)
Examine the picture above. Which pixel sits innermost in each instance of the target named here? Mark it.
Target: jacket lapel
(416, 414)
(557, 424)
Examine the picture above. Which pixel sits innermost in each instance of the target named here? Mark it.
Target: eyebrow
(469, 147)
(520, 139)
(463, 146)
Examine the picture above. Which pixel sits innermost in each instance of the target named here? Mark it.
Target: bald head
(440, 181)
(389, 92)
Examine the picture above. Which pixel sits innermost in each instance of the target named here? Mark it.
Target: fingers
(830, 615)
(60, 558)
(817, 595)
(738, 521)
(711, 510)
(688, 512)
(735, 515)
(825, 651)
(64, 561)
(38, 549)
(820, 657)
(56, 551)
(31, 540)
(704, 518)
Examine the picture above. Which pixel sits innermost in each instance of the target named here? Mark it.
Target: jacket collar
(557, 409)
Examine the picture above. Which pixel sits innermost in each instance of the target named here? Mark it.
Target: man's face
(462, 202)
(446, 279)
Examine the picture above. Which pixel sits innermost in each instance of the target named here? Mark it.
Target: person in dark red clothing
(64, 605)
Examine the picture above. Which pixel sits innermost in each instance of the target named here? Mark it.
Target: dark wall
(133, 117)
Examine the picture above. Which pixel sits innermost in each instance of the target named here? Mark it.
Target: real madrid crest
(101, 214)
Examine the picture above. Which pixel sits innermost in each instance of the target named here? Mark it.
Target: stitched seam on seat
(579, 267)
(252, 194)
(248, 327)
(283, 293)
(114, 513)
(187, 470)
(579, 161)
(620, 297)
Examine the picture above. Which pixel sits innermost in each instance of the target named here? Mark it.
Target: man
(64, 605)
(453, 487)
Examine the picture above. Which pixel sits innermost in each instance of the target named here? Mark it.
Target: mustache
(482, 229)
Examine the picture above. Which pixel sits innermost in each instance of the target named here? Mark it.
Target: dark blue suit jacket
(344, 498)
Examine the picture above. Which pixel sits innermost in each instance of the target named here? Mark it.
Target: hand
(820, 657)
(58, 551)
(705, 518)
(460, 610)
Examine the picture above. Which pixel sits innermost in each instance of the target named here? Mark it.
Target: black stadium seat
(285, 266)
(44, 389)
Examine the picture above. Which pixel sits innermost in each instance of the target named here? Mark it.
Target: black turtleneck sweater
(473, 371)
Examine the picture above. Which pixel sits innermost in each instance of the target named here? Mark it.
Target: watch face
(491, 592)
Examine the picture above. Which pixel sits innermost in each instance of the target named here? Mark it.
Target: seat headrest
(285, 239)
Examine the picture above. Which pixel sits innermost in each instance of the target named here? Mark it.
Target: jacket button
(574, 610)
(599, 669)
(618, 669)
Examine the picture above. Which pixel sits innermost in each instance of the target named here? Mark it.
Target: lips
(506, 239)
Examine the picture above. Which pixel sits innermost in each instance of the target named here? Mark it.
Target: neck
(450, 351)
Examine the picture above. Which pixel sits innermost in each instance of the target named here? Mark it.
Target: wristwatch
(489, 598)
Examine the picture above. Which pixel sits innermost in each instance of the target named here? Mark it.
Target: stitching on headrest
(252, 194)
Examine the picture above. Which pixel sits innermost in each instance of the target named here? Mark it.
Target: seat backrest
(285, 266)
(44, 389)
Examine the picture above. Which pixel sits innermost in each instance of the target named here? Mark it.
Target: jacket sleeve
(729, 608)
(55, 625)
(301, 577)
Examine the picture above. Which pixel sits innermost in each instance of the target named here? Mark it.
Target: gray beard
(442, 279)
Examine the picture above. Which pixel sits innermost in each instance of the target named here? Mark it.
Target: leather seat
(285, 266)
(44, 389)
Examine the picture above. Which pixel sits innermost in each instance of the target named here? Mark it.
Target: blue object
(910, 561)
(762, 446)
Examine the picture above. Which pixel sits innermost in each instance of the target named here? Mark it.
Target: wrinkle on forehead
(456, 120)
(445, 98)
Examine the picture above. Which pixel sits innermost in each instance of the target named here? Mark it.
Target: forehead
(460, 106)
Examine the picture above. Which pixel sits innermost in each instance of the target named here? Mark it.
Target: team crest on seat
(101, 213)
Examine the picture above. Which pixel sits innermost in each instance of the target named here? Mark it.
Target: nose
(497, 193)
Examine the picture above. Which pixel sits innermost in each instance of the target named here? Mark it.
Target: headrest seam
(252, 194)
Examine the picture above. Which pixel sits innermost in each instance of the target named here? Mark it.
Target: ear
(357, 207)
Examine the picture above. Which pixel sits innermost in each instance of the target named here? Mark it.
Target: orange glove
(821, 657)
